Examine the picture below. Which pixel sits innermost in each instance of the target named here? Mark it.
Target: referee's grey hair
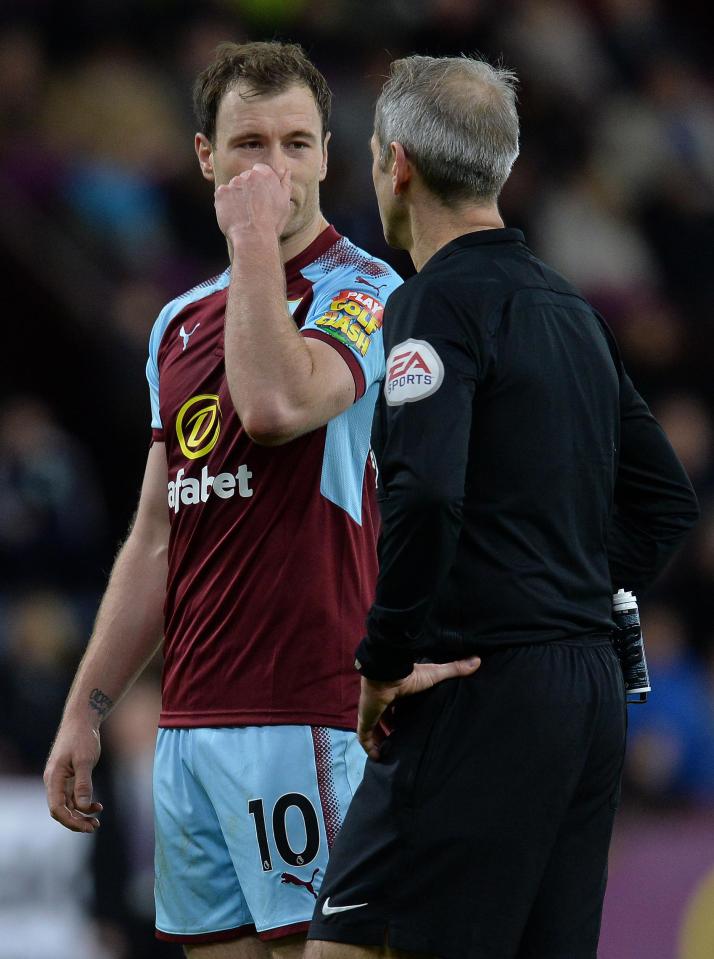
(456, 118)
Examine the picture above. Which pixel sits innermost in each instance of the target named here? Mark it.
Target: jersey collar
(319, 245)
(477, 238)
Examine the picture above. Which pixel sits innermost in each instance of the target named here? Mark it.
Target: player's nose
(276, 160)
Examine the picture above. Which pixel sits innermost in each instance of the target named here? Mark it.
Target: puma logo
(361, 279)
(187, 336)
(291, 880)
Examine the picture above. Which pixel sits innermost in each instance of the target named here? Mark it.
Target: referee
(523, 480)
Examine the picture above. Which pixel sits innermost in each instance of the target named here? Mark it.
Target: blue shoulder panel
(169, 312)
(350, 289)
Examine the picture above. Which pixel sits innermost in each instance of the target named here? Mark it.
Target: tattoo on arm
(100, 702)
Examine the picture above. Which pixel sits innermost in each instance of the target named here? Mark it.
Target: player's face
(283, 130)
(391, 210)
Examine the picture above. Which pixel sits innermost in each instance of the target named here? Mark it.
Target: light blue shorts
(245, 818)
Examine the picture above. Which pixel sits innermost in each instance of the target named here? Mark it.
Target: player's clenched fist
(257, 199)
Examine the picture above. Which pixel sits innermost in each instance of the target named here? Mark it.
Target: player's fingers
(56, 781)
(86, 821)
(286, 180)
(62, 811)
(82, 793)
(223, 191)
(75, 821)
(264, 169)
(65, 817)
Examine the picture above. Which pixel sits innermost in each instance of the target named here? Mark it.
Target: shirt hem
(237, 932)
(279, 931)
(219, 935)
(179, 719)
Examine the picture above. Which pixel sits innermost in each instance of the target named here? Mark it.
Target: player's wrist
(81, 721)
(253, 237)
(89, 710)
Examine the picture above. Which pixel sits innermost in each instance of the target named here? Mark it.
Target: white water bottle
(629, 645)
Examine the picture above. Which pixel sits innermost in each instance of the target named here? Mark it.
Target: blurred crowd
(105, 217)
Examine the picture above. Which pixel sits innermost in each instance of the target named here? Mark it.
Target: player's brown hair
(265, 68)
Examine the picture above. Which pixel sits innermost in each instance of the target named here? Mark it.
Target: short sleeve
(152, 375)
(349, 315)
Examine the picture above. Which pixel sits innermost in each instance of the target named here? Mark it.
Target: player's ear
(204, 152)
(323, 166)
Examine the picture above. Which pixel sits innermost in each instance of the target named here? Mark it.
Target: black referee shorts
(483, 831)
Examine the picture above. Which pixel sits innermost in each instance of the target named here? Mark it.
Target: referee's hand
(375, 697)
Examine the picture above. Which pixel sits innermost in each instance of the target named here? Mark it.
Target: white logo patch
(328, 910)
(187, 336)
(414, 370)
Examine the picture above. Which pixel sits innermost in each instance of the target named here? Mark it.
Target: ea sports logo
(404, 362)
(414, 371)
(198, 425)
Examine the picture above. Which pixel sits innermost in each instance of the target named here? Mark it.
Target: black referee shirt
(522, 477)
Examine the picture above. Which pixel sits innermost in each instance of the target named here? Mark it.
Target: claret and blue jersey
(272, 558)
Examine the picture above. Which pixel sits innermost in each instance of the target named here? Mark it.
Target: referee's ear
(204, 152)
(402, 170)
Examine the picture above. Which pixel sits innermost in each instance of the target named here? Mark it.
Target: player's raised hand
(375, 697)
(68, 778)
(257, 199)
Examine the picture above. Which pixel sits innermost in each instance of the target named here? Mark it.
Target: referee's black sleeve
(425, 450)
(655, 504)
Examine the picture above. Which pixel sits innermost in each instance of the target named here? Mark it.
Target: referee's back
(537, 477)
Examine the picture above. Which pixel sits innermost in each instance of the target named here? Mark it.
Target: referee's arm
(655, 504)
(423, 473)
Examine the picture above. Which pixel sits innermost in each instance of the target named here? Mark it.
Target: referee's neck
(433, 225)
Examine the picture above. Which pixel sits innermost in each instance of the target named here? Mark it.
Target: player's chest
(191, 361)
(192, 372)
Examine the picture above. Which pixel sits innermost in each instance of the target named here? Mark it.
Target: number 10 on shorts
(280, 831)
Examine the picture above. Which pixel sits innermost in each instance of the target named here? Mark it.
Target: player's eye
(298, 145)
(250, 145)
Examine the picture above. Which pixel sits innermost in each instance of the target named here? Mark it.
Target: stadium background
(104, 217)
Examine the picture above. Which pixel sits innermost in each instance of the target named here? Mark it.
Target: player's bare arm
(282, 384)
(126, 635)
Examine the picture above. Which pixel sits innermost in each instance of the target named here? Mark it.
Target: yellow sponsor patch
(198, 425)
(352, 318)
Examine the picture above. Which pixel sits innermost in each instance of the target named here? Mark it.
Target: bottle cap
(623, 599)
